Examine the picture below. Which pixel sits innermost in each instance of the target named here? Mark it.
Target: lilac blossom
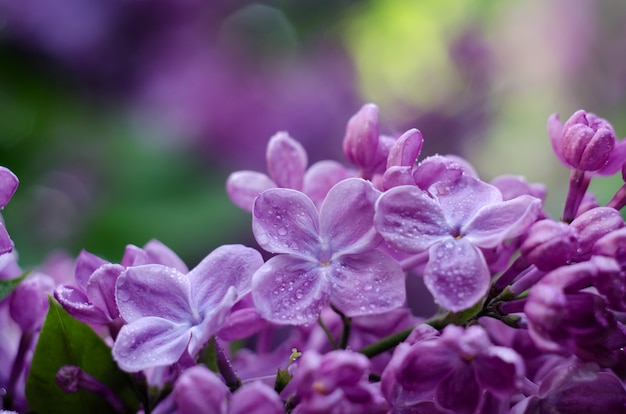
(325, 256)
(450, 371)
(8, 185)
(452, 222)
(200, 390)
(169, 313)
(93, 299)
(335, 382)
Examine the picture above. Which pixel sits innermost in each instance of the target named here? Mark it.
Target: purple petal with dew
(286, 161)
(8, 185)
(28, 303)
(499, 370)
(200, 390)
(321, 177)
(406, 149)
(462, 199)
(150, 342)
(286, 221)
(362, 135)
(409, 219)
(135, 256)
(456, 274)
(347, 217)
(161, 254)
(438, 168)
(6, 244)
(244, 186)
(212, 320)
(256, 398)
(153, 290)
(497, 222)
(86, 264)
(101, 288)
(241, 323)
(289, 290)
(76, 303)
(616, 160)
(459, 392)
(396, 176)
(225, 267)
(366, 283)
(555, 133)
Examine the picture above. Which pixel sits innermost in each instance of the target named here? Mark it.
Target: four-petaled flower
(453, 220)
(326, 256)
(169, 312)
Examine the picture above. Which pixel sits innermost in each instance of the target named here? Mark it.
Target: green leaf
(7, 286)
(66, 341)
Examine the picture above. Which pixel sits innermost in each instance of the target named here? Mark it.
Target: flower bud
(587, 141)
(361, 140)
(549, 244)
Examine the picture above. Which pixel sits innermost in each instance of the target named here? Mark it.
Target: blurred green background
(123, 119)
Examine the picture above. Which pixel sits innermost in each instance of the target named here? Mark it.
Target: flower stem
(225, 367)
(347, 326)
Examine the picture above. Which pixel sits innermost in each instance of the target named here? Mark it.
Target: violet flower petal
(409, 219)
(500, 370)
(286, 161)
(77, 304)
(456, 274)
(101, 289)
(288, 290)
(149, 342)
(496, 222)
(464, 198)
(8, 185)
(347, 217)
(459, 392)
(244, 186)
(86, 264)
(286, 221)
(161, 254)
(362, 134)
(153, 290)
(363, 284)
(406, 149)
(6, 244)
(320, 177)
(225, 267)
(555, 133)
(199, 390)
(256, 398)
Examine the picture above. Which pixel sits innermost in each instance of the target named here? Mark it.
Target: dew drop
(282, 231)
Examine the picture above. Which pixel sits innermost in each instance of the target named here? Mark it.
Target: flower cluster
(530, 308)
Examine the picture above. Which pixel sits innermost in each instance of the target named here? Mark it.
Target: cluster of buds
(528, 310)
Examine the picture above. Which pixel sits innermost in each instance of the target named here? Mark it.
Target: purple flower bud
(29, 301)
(360, 143)
(592, 225)
(549, 244)
(585, 142)
(8, 185)
(512, 186)
(71, 379)
(199, 390)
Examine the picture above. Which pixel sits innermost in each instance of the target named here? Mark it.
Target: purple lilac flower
(577, 388)
(199, 390)
(287, 168)
(8, 185)
(169, 313)
(453, 221)
(93, 299)
(335, 382)
(324, 257)
(450, 371)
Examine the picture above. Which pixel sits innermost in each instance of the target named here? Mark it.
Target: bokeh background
(123, 118)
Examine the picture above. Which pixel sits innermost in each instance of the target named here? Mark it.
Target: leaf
(8, 285)
(66, 341)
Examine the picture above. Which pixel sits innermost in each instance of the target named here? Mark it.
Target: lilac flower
(169, 312)
(335, 382)
(199, 390)
(575, 387)
(93, 300)
(287, 168)
(452, 370)
(452, 222)
(8, 185)
(325, 256)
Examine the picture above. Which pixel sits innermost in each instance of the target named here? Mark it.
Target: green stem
(331, 339)
(347, 326)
